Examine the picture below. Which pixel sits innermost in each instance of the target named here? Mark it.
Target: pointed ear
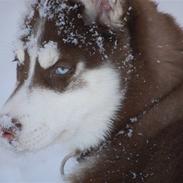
(108, 12)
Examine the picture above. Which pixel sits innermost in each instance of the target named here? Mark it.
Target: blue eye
(62, 70)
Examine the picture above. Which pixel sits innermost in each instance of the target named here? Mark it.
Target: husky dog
(104, 77)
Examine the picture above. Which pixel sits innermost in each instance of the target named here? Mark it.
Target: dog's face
(67, 89)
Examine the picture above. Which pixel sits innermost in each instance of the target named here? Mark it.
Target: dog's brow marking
(48, 55)
(33, 49)
(20, 52)
(32, 68)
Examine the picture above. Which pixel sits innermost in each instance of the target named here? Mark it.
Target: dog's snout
(9, 127)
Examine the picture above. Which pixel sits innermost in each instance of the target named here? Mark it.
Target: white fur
(81, 117)
(111, 17)
(80, 68)
(19, 52)
(90, 8)
(33, 56)
(48, 55)
(114, 15)
(33, 50)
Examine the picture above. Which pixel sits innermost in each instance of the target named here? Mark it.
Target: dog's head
(69, 85)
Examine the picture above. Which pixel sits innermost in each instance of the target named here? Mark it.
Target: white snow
(42, 166)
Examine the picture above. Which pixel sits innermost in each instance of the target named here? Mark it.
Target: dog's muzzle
(9, 128)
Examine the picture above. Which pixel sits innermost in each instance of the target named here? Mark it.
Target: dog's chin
(33, 143)
(36, 144)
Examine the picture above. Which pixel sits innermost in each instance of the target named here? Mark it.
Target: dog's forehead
(66, 22)
(58, 25)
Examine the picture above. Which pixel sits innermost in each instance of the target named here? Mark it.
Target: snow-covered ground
(40, 166)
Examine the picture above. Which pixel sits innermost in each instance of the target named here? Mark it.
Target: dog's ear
(108, 12)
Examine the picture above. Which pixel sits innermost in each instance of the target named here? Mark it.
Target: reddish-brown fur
(153, 153)
(155, 96)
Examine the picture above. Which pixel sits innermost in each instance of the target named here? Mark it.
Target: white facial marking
(48, 55)
(33, 50)
(79, 69)
(33, 59)
(80, 117)
(77, 81)
(20, 56)
(20, 52)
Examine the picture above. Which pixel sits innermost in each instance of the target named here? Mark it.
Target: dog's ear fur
(108, 12)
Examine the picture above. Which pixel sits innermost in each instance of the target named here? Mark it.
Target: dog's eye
(62, 70)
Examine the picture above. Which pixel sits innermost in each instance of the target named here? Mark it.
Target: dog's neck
(158, 57)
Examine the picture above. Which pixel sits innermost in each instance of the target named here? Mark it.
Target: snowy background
(42, 166)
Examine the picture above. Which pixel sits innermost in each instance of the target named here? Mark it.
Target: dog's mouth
(9, 135)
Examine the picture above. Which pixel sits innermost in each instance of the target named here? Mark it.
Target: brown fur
(72, 54)
(154, 96)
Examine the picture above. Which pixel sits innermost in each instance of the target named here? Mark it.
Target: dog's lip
(8, 135)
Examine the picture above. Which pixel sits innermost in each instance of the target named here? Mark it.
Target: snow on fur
(42, 166)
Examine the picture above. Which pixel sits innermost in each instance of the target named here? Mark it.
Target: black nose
(17, 123)
(9, 127)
